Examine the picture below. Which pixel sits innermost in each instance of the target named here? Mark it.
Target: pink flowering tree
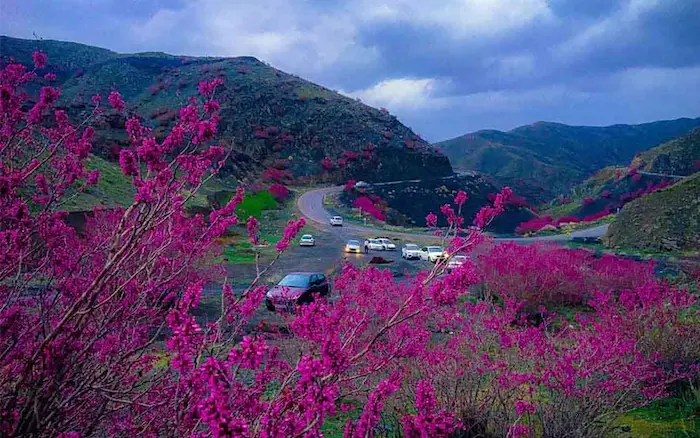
(98, 334)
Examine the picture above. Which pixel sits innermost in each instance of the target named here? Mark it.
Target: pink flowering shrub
(534, 225)
(541, 274)
(279, 192)
(370, 207)
(98, 334)
(272, 174)
(349, 185)
(327, 164)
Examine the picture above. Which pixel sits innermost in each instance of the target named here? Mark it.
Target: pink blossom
(39, 59)
(253, 230)
(115, 99)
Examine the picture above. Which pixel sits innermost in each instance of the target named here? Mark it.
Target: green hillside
(668, 220)
(272, 119)
(680, 156)
(545, 159)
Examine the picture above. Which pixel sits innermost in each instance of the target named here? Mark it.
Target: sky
(443, 67)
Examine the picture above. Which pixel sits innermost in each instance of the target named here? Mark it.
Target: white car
(456, 261)
(336, 221)
(374, 244)
(387, 245)
(431, 253)
(353, 246)
(307, 240)
(410, 251)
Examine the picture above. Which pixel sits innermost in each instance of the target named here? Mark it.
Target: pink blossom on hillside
(279, 192)
(115, 99)
(39, 59)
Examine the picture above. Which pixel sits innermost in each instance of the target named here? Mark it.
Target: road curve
(310, 205)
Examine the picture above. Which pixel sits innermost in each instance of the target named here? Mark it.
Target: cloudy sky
(444, 67)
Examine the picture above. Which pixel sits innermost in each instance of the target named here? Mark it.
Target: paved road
(661, 174)
(311, 206)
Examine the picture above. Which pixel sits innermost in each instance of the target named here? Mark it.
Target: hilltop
(545, 159)
(274, 120)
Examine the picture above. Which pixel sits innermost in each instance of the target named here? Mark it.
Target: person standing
(366, 247)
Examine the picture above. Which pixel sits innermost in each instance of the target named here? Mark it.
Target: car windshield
(411, 246)
(337, 218)
(306, 237)
(459, 258)
(295, 280)
(353, 242)
(373, 241)
(434, 249)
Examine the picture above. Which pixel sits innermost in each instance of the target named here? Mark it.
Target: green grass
(113, 188)
(238, 253)
(254, 205)
(669, 417)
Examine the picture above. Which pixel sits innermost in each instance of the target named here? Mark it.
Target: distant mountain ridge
(545, 159)
(271, 118)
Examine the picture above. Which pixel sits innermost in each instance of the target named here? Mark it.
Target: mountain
(545, 159)
(667, 220)
(677, 157)
(272, 119)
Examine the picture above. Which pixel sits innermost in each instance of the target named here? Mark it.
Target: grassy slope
(549, 158)
(680, 156)
(668, 220)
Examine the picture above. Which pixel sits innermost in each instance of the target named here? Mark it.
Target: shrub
(369, 207)
(279, 192)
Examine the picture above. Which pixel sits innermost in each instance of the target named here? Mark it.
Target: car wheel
(269, 305)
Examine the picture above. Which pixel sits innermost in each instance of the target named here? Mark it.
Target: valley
(213, 247)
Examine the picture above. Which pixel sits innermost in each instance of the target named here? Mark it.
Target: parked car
(410, 251)
(374, 244)
(387, 245)
(353, 246)
(456, 261)
(307, 240)
(431, 253)
(296, 288)
(336, 221)
(361, 185)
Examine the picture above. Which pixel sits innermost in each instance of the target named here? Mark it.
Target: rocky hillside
(668, 220)
(544, 159)
(613, 186)
(680, 156)
(410, 202)
(274, 120)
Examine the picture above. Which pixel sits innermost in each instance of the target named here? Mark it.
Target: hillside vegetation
(680, 156)
(667, 220)
(545, 159)
(272, 119)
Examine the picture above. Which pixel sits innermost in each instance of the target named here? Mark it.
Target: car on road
(410, 251)
(456, 261)
(387, 245)
(336, 221)
(361, 185)
(296, 288)
(353, 246)
(307, 240)
(431, 253)
(374, 244)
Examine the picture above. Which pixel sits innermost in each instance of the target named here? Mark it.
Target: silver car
(410, 251)
(353, 246)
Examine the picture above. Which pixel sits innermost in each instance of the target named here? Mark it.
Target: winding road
(310, 205)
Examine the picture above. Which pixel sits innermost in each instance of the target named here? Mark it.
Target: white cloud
(403, 94)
